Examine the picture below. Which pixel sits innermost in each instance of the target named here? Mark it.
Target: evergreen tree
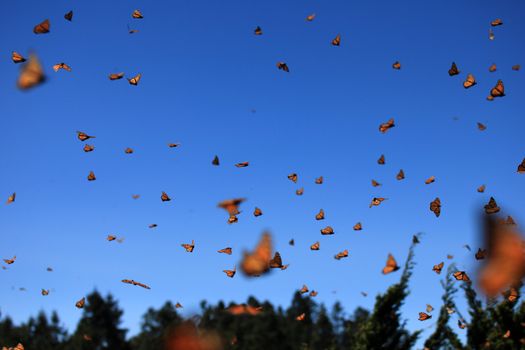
(323, 337)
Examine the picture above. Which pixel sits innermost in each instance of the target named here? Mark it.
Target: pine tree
(323, 337)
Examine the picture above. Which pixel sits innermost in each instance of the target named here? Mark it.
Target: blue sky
(203, 71)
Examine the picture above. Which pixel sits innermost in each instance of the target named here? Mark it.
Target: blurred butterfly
(469, 82)
(135, 283)
(400, 175)
(152, 225)
(111, 238)
(376, 201)
(69, 16)
(44, 292)
(315, 246)
(257, 212)
(11, 198)
(189, 247)
(164, 197)
(358, 227)
(137, 14)
(396, 65)
(10, 261)
(91, 176)
(232, 219)
(80, 304)
(242, 164)
(49, 269)
(116, 76)
(341, 255)
(292, 177)
(424, 316)
(327, 231)
(511, 295)
(61, 65)
(276, 261)
(283, 66)
(313, 293)
(437, 268)
(301, 317)
(304, 289)
(492, 68)
(88, 148)
(231, 205)
(128, 150)
(391, 265)
(31, 74)
(215, 161)
(365, 294)
(450, 257)
(135, 80)
(516, 67)
(337, 40)
(480, 254)
(429, 308)
(386, 126)
(320, 215)
(300, 191)
(481, 189)
(42, 28)
(291, 242)
(462, 325)
(507, 334)
(132, 31)
(491, 35)
(521, 167)
(435, 206)
(453, 70)
(311, 17)
(381, 160)
(230, 273)
(375, 183)
(481, 127)
(450, 310)
(491, 207)
(258, 31)
(227, 250)
(17, 58)
(82, 136)
(319, 180)
(415, 238)
(496, 22)
(467, 247)
(498, 90)
(461, 276)
(258, 262)
(173, 145)
(178, 306)
(430, 180)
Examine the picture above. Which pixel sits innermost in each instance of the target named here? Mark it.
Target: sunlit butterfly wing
(42, 28)
(31, 74)
(391, 265)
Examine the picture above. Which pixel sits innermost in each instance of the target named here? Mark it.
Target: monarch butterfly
(80, 304)
(481, 189)
(376, 201)
(137, 14)
(491, 207)
(481, 127)
(258, 31)
(232, 219)
(453, 70)
(257, 212)
(491, 35)
(516, 67)
(17, 58)
(82, 136)
(511, 295)
(111, 238)
(462, 325)
(231, 205)
(258, 262)
(230, 273)
(375, 183)
(44, 292)
(10, 261)
(135, 283)
(276, 261)
(507, 334)
(315, 246)
(396, 65)
(69, 16)
(400, 175)
(429, 308)
(381, 160)
(173, 145)
(42, 28)
(61, 65)
(116, 76)
(88, 148)
(304, 289)
(242, 164)
(320, 215)
(498, 90)
(292, 177)
(358, 227)
(226, 250)
(435, 206)
(461, 276)
(327, 231)
(164, 197)
(384, 127)
(31, 74)
(178, 305)
(291, 242)
(391, 265)
(301, 317)
(521, 167)
(510, 221)
(496, 22)
(313, 293)
(450, 256)
(152, 225)
(128, 150)
(215, 161)
(311, 17)
(437, 268)
(91, 176)
(424, 316)
(300, 191)
(337, 40)
(492, 68)
(189, 247)
(11, 198)
(135, 80)
(341, 255)
(319, 180)
(283, 66)
(430, 180)
(469, 82)
(244, 309)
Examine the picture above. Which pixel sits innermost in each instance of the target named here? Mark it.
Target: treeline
(490, 324)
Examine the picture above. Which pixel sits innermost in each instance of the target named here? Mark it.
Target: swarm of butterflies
(503, 256)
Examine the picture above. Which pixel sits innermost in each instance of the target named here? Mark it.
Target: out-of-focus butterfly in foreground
(258, 262)
(391, 265)
(135, 283)
(31, 74)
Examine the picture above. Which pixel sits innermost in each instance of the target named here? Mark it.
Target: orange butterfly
(11, 198)
(128, 150)
(61, 65)
(429, 308)
(341, 255)
(481, 254)
(328, 230)
(82, 136)
(189, 247)
(230, 273)
(315, 246)
(320, 215)
(42, 28)
(521, 167)
(498, 90)
(258, 31)
(424, 316)
(492, 68)
(215, 161)
(178, 305)
(391, 265)
(173, 145)
(135, 80)
(135, 283)
(301, 317)
(69, 16)
(231, 205)
(435, 206)
(276, 261)
(300, 191)
(17, 58)
(376, 201)
(304, 289)
(116, 76)
(164, 197)
(481, 127)
(313, 293)
(386, 126)
(381, 160)
(31, 74)
(232, 219)
(44, 292)
(461, 276)
(396, 65)
(242, 164)
(258, 262)
(257, 212)
(481, 189)
(80, 304)
(400, 175)
(10, 261)
(375, 183)
(358, 227)
(292, 177)
(496, 22)
(516, 67)
(337, 40)
(311, 17)
(437, 268)
(492, 207)
(319, 180)
(453, 70)
(88, 148)
(111, 238)
(283, 66)
(137, 14)
(91, 176)
(227, 250)
(430, 180)
(462, 325)
(469, 82)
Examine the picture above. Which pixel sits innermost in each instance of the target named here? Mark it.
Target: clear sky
(203, 72)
